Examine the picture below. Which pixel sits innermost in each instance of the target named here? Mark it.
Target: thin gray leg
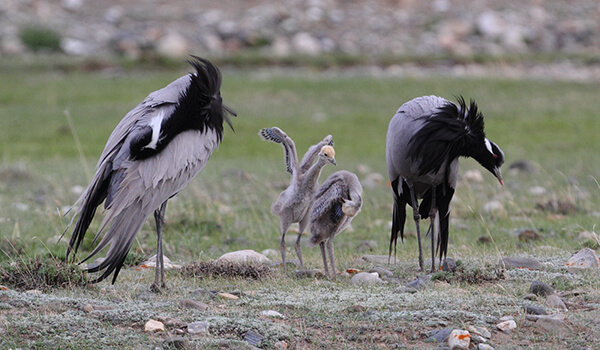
(301, 226)
(159, 276)
(322, 246)
(282, 247)
(417, 218)
(331, 257)
(431, 230)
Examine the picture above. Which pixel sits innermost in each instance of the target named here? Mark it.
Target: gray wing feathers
(402, 127)
(277, 135)
(337, 188)
(146, 184)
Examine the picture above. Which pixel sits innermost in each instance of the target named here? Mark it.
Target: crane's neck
(313, 173)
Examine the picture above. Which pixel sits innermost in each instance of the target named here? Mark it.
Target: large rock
(366, 278)
(243, 256)
(586, 258)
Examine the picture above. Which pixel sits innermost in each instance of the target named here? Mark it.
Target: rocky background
(308, 27)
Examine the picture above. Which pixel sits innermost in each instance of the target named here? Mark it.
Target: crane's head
(491, 157)
(328, 153)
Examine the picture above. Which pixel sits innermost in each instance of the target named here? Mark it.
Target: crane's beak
(332, 160)
(498, 175)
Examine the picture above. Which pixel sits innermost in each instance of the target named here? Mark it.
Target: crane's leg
(431, 230)
(301, 226)
(331, 257)
(322, 246)
(159, 277)
(417, 218)
(285, 224)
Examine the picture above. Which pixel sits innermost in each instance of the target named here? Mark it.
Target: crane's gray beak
(498, 175)
(332, 160)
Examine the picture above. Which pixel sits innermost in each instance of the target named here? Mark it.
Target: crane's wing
(144, 186)
(135, 125)
(277, 135)
(330, 196)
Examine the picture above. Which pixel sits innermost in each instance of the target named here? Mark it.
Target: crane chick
(425, 138)
(152, 154)
(294, 203)
(337, 202)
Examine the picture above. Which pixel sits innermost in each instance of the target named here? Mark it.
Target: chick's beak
(332, 160)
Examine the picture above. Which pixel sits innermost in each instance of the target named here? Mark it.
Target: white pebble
(459, 339)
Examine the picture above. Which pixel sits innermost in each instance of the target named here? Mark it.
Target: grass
(551, 124)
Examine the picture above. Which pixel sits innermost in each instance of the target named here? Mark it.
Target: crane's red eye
(495, 156)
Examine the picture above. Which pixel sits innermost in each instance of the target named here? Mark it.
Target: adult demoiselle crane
(294, 203)
(424, 141)
(337, 202)
(152, 154)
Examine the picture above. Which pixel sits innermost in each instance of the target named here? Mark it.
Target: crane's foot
(155, 288)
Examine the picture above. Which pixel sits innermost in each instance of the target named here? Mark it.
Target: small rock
(473, 175)
(406, 290)
(271, 313)
(177, 342)
(305, 43)
(507, 326)
(87, 308)
(537, 190)
(527, 235)
(34, 291)
(555, 302)
(228, 296)
(270, 253)
(253, 338)
(372, 180)
(494, 207)
(484, 347)
(366, 278)
(530, 296)
(378, 259)
(459, 339)
(367, 245)
(417, 284)
(280, 345)
(482, 331)
(449, 265)
(192, 304)
(95, 307)
(506, 318)
(154, 326)
(441, 335)
(382, 272)
(587, 235)
(316, 273)
(198, 328)
(151, 263)
(520, 263)
(584, 259)
(244, 256)
(535, 310)
(540, 288)
(551, 323)
(173, 45)
(523, 166)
